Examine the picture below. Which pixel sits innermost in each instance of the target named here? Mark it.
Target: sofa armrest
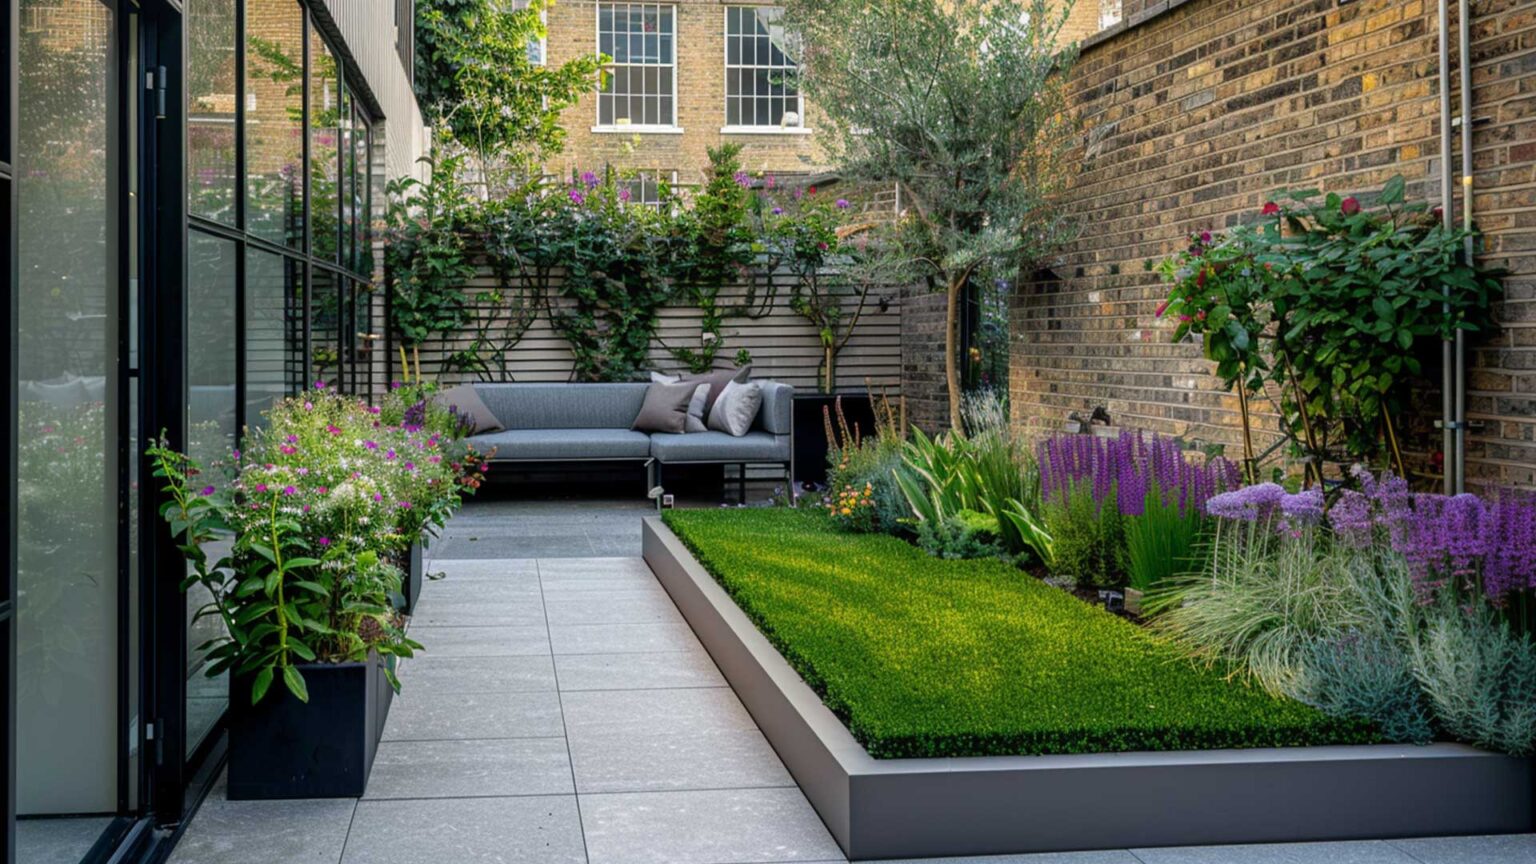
(777, 414)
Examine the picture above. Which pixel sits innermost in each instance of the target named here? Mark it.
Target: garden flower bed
(947, 658)
(923, 657)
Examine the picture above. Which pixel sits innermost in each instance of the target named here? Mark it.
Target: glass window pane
(68, 405)
(274, 121)
(274, 331)
(324, 132)
(211, 181)
(325, 320)
(211, 394)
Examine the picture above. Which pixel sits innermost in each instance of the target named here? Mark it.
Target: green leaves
(1338, 308)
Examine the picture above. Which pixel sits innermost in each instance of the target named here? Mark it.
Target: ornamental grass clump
(1409, 610)
(1126, 509)
(319, 506)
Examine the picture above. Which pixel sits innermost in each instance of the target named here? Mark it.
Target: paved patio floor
(564, 712)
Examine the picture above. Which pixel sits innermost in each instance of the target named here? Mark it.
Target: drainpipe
(1447, 204)
(1464, 24)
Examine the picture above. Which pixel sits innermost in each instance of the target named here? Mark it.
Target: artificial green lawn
(926, 657)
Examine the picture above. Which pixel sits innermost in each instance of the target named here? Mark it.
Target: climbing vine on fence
(600, 267)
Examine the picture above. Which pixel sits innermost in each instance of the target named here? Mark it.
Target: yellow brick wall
(572, 27)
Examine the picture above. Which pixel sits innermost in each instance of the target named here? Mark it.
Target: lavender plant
(1096, 492)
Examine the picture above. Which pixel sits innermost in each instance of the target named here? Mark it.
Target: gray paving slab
(529, 830)
(741, 826)
(638, 605)
(508, 641)
(1507, 849)
(437, 717)
(524, 546)
(1113, 856)
(433, 611)
(1362, 852)
(649, 671)
(647, 740)
(481, 569)
(260, 832)
(470, 769)
(645, 638)
(433, 676)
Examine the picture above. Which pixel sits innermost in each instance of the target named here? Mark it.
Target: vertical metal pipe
(1447, 203)
(1464, 27)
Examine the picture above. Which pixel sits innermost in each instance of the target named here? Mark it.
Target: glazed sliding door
(70, 602)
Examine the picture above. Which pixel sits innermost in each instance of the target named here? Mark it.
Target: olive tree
(961, 104)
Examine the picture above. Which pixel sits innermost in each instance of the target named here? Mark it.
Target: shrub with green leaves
(1366, 675)
(923, 657)
(317, 505)
(1087, 538)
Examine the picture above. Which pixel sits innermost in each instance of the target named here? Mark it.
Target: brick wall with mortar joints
(1194, 117)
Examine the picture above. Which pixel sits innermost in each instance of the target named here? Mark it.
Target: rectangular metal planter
(908, 808)
(415, 575)
(284, 748)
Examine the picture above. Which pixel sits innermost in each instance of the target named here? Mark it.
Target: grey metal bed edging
(904, 808)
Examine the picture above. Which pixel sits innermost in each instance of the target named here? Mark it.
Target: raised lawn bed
(926, 657)
(1010, 717)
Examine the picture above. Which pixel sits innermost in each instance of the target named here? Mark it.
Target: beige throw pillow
(736, 408)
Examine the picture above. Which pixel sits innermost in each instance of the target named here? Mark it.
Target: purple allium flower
(1248, 504)
(1352, 520)
(1303, 508)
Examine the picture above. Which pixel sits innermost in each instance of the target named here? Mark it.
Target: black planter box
(284, 748)
(415, 574)
(811, 443)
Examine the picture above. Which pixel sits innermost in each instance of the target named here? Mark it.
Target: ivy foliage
(427, 258)
(718, 244)
(1335, 304)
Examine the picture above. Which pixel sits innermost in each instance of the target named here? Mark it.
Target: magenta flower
(288, 450)
(292, 439)
(323, 490)
(333, 429)
(624, 194)
(842, 203)
(325, 541)
(207, 490)
(290, 491)
(778, 211)
(261, 487)
(319, 385)
(589, 179)
(577, 197)
(371, 445)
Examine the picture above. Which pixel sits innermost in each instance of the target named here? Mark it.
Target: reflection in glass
(274, 120)
(324, 131)
(211, 335)
(325, 321)
(211, 76)
(274, 331)
(66, 332)
(360, 335)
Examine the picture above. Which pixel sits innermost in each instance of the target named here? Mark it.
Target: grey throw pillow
(717, 381)
(736, 408)
(468, 403)
(665, 408)
(696, 409)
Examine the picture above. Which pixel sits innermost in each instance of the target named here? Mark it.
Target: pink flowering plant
(1334, 302)
(319, 505)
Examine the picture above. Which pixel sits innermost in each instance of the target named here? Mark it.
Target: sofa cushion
(665, 408)
(717, 379)
(467, 403)
(736, 408)
(720, 447)
(517, 444)
(564, 406)
(777, 413)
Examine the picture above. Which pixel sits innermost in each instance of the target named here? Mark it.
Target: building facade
(192, 191)
(691, 75)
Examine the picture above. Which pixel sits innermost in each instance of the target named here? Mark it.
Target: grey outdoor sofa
(591, 422)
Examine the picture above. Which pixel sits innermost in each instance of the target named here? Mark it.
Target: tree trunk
(951, 352)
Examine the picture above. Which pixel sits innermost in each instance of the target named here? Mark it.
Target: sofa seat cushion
(574, 444)
(754, 446)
